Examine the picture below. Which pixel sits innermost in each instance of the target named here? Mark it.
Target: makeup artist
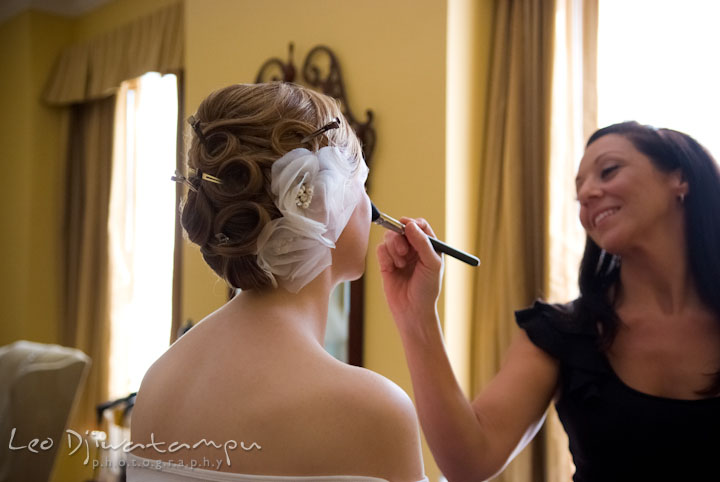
(632, 365)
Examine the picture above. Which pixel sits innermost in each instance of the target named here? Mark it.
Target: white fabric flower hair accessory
(316, 192)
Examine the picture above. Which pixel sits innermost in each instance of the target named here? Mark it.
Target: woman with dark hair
(633, 365)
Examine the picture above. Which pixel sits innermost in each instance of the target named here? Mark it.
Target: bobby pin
(334, 124)
(207, 177)
(223, 240)
(180, 178)
(196, 127)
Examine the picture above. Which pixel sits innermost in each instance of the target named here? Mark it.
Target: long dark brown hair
(669, 151)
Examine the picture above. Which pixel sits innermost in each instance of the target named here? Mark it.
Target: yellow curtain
(528, 155)
(85, 321)
(95, 69)
(179, 240)
(513, 227)
(84, 80)
(574, 118)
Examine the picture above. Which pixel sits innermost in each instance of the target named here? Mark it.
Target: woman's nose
(587, 191)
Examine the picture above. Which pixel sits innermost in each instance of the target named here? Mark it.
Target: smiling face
(625, 201)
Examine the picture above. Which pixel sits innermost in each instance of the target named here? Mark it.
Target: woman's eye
(608, 170)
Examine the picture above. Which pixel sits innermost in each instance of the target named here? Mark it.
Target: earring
(601, 260)
(681, 197)
(613, 264)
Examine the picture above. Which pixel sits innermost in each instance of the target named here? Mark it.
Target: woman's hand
(411, 272)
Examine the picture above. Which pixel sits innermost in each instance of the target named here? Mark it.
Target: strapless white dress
(140, 469)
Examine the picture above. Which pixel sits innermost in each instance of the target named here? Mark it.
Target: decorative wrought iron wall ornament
(327, 79)
(286, 70)
(321, 71)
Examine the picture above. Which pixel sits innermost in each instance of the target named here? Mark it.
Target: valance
(95, 69)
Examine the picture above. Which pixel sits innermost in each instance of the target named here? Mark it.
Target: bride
(276, 202)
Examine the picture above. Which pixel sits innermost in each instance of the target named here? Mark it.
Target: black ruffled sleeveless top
(617, 433)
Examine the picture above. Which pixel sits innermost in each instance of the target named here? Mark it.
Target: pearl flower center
(304, 196)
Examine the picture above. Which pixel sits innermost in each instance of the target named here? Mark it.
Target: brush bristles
(375, 213)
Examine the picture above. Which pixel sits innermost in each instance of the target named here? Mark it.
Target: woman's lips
(602, 215)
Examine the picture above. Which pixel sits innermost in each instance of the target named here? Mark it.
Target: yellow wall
(32, 149)
(393, 57)
(420, 65)
(468, 59)
(15, 155)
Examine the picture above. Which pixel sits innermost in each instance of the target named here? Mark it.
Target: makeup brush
(393, 224)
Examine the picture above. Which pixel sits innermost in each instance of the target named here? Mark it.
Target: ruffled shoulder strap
(554, 329)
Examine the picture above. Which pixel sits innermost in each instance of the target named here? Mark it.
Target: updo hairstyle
(245, 128)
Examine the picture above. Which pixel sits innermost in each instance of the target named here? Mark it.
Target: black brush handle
(393, 224)
(441, 247)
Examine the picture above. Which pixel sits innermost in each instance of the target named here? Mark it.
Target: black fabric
(617, 433)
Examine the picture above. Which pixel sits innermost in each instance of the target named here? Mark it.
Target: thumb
(421, 243)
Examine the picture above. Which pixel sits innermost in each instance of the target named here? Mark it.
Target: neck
(658, 277)
(302, 314)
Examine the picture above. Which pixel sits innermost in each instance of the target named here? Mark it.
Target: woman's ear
(679, 184)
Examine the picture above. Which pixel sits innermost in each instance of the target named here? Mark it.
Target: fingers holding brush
(399, 251)
(392, 224)
(392, 252)
(416, 234)
(421, 223)
(411, 269)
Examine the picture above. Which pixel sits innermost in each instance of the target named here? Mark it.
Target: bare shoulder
(380, 425)
(381, 397)
(323, 414)
(387, 394)
(163, 392)
(522, 350)
(147, 412)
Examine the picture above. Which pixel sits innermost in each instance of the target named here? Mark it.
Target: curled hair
(243, 129)
(669, 151)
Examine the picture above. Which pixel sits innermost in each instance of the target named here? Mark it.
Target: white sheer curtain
(141, 228)
(574, 118)
(657, 64)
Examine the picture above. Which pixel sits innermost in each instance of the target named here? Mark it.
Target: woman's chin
(356, 274)
(612, 248)
(350, 273)
(611, 244)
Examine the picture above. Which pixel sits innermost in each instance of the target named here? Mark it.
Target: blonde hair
(244, 128)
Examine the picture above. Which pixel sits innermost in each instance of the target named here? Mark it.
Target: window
(142, 228)
(657, 64)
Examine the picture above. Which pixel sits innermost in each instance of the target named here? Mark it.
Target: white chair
(38, 386)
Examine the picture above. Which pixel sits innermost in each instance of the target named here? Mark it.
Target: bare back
(290, 407)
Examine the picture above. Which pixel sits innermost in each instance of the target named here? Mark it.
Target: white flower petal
(296, 247)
